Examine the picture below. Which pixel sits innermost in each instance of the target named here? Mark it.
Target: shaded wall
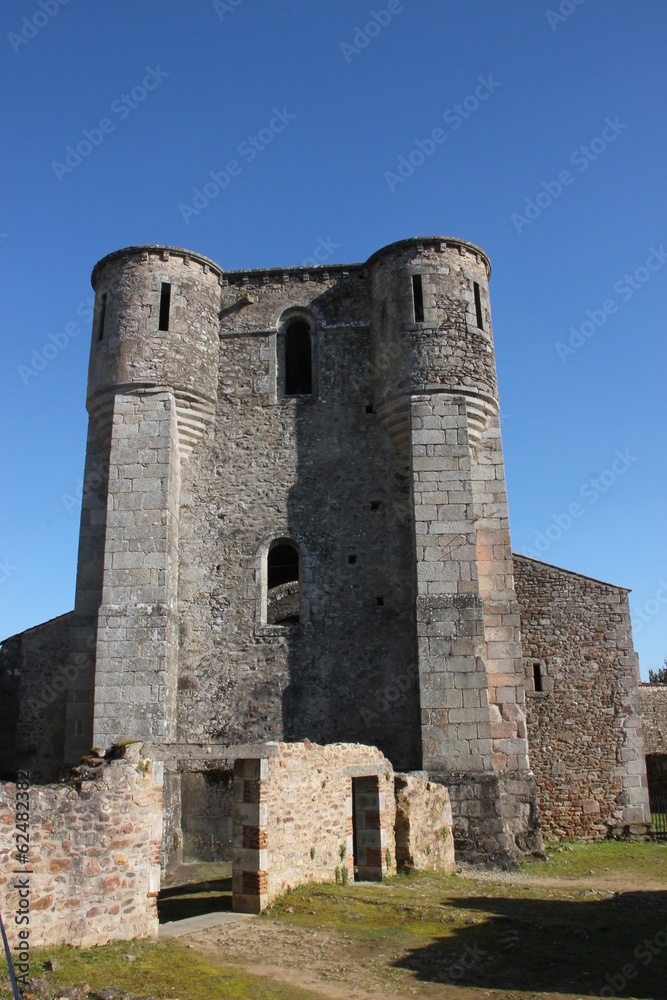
(35, 672)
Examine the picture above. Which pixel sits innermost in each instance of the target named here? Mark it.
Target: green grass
(520, 940)
(604, 858)
(527, 938)
(165, 969)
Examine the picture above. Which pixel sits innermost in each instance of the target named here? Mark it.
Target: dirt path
(615, 881)
(325, 961)
(332, 963)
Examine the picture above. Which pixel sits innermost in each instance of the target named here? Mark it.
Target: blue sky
(558, 173)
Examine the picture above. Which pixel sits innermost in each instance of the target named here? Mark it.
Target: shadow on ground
(193, 899)
(610, 947)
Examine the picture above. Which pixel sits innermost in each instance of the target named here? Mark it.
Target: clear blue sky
(360, 100)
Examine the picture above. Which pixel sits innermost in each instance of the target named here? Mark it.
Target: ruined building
(295, 527)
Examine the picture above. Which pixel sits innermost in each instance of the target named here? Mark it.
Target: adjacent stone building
(295, 527)
(653, 701)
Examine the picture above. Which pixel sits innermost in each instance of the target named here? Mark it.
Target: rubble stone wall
(424, 840)
(293, 818)
(93, 865)
(584, 726)
(653, 701)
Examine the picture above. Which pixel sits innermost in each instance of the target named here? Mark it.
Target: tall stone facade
(301, 530)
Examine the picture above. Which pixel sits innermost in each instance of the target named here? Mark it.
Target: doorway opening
(366, 829)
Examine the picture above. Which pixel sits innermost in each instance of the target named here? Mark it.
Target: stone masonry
(94, 854)
(297, 814)
(584, 726)
(653, 702)
(301, 533)
(424, 840)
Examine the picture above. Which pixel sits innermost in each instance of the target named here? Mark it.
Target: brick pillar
(471, 682)
(137, 634)
(250, 836)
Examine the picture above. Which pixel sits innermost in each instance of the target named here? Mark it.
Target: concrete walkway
(177, 928)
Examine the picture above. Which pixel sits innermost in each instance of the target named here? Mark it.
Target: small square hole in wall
(375, 504)
(352, 560)
(380, 601)
(369, 408)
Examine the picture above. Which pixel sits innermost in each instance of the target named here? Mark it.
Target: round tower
(431, 329)
(156, 325)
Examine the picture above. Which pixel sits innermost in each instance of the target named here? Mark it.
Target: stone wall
(94, 854)
(206, 814)
(35, 673)
(323, 471)
(424, 838)
(653, 701)
(584, 726)
(293, 818)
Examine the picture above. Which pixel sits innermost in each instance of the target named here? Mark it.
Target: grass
(468, 936)
(519, 938)
(603, 858)
(165, 969)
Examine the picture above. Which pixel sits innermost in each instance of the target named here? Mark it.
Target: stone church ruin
(295, 532)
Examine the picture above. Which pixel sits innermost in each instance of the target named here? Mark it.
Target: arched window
(298, 359)
(283, 591)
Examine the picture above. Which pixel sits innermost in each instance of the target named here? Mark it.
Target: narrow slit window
(101, 316)
(165, 303)
(478, 306)
(283, 587)
(418, 297)
(298, 360)
(537, 676)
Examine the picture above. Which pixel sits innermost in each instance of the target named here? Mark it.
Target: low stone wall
(93, 867)
(293, 818)
(584, 725)
(424, 838)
